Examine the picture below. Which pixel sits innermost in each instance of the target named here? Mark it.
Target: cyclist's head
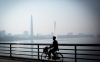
(54, 37)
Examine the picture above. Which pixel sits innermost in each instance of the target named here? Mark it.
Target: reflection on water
(62, 40)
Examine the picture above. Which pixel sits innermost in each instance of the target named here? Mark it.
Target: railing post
(75, 54)
(10, 51)
(38, 52)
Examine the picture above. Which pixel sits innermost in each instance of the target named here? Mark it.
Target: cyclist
(54, 47)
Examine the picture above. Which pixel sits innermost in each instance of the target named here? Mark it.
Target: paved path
(8, 59)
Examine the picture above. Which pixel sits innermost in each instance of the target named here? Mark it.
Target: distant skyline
(51, 33)
(77, 16)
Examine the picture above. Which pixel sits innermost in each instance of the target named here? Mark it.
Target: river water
(60, 41)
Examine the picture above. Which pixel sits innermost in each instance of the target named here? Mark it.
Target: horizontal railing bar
(88, 59)
(24, 51)
(89, 54)
(64, 57)
(41, 48)
(82, 54)
(24, 54)
(17, 50)
(25, 43)
(87, 50)
(4, 50)
(66, 49)
(39, 55)
(69, 57)
(81, 49)
(69, 53)
(25, 47)
(59, 49)
(27, 55)
(4, 56)
(4, 47)
(50, 44)
(81, 58)
(62, 53)
(79, 54)
(4, 53)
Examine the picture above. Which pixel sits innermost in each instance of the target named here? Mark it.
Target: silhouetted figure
(54, 47)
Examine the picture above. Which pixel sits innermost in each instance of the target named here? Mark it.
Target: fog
(77, 16)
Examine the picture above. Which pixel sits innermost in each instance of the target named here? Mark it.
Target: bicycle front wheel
(59, 56)
(43, 57)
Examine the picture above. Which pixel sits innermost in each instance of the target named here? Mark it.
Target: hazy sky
(77, 16)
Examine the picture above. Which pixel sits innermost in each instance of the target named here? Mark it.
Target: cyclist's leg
(53, 52)
(49, 54)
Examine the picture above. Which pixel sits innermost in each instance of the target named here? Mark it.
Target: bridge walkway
(16, 59)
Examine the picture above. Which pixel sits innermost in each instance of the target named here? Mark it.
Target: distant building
(0, 33)
(52, 33)
(9, 34)
(3, 33)
(18, 35)
(70, 33)
(39, 34)
(25, 34)
(80, 33)
(48, 36)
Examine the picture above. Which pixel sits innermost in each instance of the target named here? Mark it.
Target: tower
(31, 31)
(54, 27)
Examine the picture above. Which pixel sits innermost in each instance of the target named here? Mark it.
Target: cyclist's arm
(51, 46)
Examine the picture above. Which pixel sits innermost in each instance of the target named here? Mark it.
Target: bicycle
(58, 55)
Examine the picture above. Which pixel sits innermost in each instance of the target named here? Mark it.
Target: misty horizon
(70, 16)
(47, 33)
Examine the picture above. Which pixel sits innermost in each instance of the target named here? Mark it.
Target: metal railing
(94, 48)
